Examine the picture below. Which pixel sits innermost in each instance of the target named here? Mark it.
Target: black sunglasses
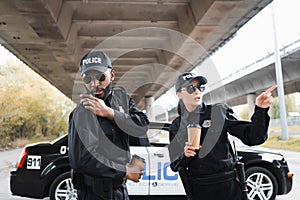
(192, 88)
(99, 77)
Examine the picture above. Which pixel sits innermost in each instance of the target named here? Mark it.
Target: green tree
(290, 105)
(30, 106)
(244, 113)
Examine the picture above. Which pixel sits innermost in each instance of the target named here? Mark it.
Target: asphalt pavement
(9, 158)
(293, 159)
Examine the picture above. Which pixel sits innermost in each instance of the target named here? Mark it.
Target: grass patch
(21, 142)
(290, 128)
(39, 138)
(275, 141)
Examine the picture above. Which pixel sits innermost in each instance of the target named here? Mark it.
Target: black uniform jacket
(99, 147)
(216, 121)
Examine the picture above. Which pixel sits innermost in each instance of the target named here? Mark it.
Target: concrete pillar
(251, 104)
(149, 108)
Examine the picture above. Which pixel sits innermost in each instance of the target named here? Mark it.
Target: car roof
(159, 125)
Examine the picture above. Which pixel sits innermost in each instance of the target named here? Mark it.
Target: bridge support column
(149, 107)
(251, 104)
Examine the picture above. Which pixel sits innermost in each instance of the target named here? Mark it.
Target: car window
(158, 137)
(60, 140)
(138, 141)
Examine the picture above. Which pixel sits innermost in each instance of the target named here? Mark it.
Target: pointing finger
(270, 89)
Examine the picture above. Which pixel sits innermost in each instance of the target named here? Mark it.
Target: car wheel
(62, 188)
(261, 184)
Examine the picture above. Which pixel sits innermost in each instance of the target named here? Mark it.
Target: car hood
(259, 150)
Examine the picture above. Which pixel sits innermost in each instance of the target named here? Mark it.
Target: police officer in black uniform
(208, 173)
(98, 134)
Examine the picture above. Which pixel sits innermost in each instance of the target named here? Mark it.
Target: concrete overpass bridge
(244, 85)
(149, 41)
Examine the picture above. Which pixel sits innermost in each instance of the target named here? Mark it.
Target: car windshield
(58, 139)
(157, 136)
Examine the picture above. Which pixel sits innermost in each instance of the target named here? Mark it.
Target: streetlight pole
(279, 80)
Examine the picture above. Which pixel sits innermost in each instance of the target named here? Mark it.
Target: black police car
(43, 170)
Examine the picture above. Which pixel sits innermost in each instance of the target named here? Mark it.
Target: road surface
(9, 158)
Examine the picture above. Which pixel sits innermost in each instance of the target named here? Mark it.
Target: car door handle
(160, 155)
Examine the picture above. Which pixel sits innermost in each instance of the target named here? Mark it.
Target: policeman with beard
(98, 133)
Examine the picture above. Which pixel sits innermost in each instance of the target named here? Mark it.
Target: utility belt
(80, 180)
(115, 184)
(213, 178)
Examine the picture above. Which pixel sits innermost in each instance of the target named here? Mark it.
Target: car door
(163, 181)
(142, 187)
(158, 178)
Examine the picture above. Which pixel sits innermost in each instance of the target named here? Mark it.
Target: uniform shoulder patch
(206, 123)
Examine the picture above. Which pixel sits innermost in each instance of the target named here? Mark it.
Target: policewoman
(209, 171)
(98, 134)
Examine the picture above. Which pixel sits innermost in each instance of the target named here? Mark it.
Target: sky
(256, 38)
(5, 55)
(252, 42)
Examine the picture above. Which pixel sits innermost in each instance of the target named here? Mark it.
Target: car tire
(261, 184)
(62, 188)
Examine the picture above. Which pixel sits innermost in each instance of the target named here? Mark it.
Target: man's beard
(104, 92)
